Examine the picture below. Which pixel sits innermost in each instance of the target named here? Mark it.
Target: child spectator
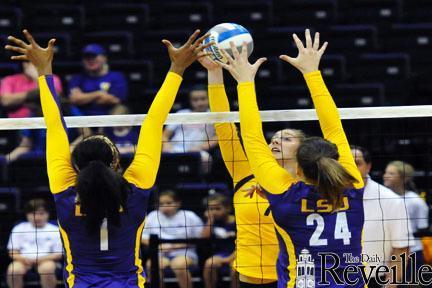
(34, 244)
(170, 222)
(124, 137)
(220, 224)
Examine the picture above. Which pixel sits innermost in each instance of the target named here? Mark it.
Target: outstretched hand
(184, 56)
(40, 57)
(239, 65)
(308, 57)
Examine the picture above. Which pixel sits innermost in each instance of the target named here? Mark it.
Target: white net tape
(209, 118)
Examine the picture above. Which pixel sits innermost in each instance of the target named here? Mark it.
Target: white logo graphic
(305, 270)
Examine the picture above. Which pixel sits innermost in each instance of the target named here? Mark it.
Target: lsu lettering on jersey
(112, 257)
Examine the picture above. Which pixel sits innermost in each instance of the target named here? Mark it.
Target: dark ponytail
(102, 191)
(332, 180)
(318, 159)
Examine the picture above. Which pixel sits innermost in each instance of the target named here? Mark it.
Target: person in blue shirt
(97, 90)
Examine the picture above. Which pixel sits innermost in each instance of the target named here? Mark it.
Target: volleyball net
(194, 170)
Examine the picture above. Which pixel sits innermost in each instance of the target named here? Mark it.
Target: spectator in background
(386, 227)
(97, 90)
(124, 137)
(220, 224)
(398, 176)
(34, 244)
(19, 93)
(170, 222)
(192, 137)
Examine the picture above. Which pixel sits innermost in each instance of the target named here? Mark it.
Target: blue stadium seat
(180, 167)
(10, 200)
(138, 72)
(190, 14)
(391, 66)
(118, 16)
(285, 97)
(10, 19)
(352, 39)
(358, 95)
(150, 46)
(119, 44)
(417, 10)
(28, 171)
(62, 17)
(278, 40)
(307, 12)
(370, 11)
(253, 14)
(270, 71)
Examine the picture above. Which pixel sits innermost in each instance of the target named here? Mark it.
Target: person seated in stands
(170, 222)
(34, 244)
(97, 90)
(124, 137)
(32, 141)
(192, 137)
(220, 224)
(19, 93)
(398, 177)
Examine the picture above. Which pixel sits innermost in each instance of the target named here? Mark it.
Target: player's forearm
(267, 171)
(143, 170)
(81, 98)
(215, 76)
(13, 99)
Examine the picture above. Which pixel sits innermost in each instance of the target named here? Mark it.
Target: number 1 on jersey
(104, 235)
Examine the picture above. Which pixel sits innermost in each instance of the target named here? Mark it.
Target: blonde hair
(406, 172)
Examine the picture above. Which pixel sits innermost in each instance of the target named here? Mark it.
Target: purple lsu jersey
(109, 258)
(317, 245)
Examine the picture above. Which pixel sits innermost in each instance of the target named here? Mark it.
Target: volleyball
(222, 35)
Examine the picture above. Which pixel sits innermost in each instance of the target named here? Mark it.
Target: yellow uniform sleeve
(331, 125)
(232, 151)
(144, 167)
(61, 174)
(265, 168)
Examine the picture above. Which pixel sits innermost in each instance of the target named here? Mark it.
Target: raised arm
(265, 168)
(232, 151)
(144, 167)
(60, 171)
(307, 62)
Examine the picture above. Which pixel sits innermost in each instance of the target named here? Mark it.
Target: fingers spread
(193, 37)
(15, 49)
(308, 39)
(29, 37)
(227, 55)
(316, 41)
(202, 47)
(20, 57)
(17, 41)
(51, 43)
(287, 58)
(244, 50)
(298, 42)
(168, 44)
(259, 62)
(323, 48)
(234, 50)
(201, 39)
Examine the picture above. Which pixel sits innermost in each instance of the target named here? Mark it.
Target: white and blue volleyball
(222, 35)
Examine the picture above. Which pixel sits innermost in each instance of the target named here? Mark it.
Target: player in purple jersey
(318, 214)
(100, 211)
